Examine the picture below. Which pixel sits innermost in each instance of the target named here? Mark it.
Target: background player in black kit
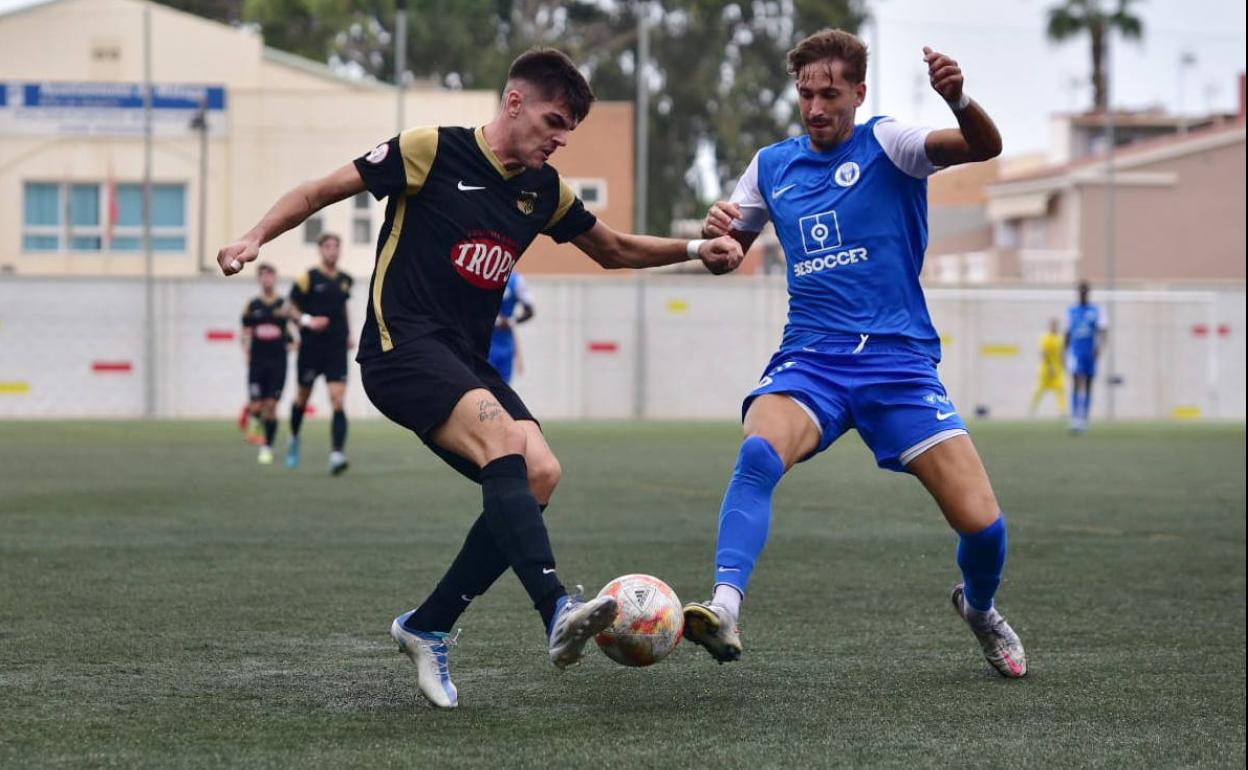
(319, 300)
(266, 340)
(462, 206)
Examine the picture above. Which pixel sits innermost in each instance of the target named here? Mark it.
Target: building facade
(235, 125)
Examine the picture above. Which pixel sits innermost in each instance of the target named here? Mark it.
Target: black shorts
(419, 384)
(316, 359)
(266, 376)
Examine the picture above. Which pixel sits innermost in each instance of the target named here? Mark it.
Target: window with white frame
(101, 216)
(592, 192)
(362, 218)
(312, 229)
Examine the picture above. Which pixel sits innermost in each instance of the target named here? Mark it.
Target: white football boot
(1001, 645)
(577, 621)
(712, 626)
(429, 650)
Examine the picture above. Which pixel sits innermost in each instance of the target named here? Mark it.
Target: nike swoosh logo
(729, 569)
(547, 570)
(467, 187)
(944, 415)
(781, 191)
(465, 597)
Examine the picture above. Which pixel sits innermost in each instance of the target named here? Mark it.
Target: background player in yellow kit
(1052, 368)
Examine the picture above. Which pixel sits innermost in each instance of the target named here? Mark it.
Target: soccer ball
(649, 622)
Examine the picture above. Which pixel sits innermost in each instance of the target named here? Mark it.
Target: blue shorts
(502, 357)
(1082, 362)
(886, 390)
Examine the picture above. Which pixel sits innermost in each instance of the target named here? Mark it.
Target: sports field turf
(165, 602)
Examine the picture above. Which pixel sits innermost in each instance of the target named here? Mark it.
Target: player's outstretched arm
(614, 250)
(290, 211)
(976, 138)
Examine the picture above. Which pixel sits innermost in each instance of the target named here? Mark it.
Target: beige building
(1178, 214)
(72, 155)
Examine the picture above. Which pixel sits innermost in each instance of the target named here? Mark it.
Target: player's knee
(544, 475)
(507, 438)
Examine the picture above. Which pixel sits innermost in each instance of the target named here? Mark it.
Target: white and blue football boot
(430, 651)
(1000, 644)
(292, 452)
(577, 621)
(713, 627)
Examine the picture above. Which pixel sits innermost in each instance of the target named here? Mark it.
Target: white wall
(706, 341)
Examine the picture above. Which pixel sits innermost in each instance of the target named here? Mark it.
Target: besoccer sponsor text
(829, 261)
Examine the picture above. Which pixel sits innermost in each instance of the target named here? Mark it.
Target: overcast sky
(1021, 78)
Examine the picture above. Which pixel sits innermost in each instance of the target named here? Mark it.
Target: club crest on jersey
(378, 153)
(847, 173)
(527, 202)
(484, 259)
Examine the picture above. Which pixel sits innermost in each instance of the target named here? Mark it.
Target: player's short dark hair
(328, 237)
(831, 44)
(554, 75)
(265, 267)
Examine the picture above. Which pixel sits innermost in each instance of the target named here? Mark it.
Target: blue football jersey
(853, 225)
(1082, 324)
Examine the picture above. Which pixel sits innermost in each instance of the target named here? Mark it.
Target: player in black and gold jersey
(463, 205)
(319, 300)
(266, 341)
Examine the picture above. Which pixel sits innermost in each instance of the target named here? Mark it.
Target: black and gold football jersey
(317, 293)
(267, 320)
(456, 224)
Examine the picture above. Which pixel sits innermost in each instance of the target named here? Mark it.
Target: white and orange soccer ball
(649, 622)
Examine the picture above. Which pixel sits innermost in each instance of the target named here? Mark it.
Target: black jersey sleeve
(247, 314)
(570, 218)
(400, 165)
(299, 290)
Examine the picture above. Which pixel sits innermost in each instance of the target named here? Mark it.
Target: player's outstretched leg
(1001, 646)
(338, 430)
(744, 523)
(981, 557)
(430, 651)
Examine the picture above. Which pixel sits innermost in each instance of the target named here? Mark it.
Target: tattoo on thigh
(488, 410)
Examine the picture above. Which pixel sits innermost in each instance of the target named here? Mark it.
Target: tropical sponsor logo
(485, 259)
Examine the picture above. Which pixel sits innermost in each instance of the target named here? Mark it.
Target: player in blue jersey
(503, 350)
(849, 203)
(1086, 329)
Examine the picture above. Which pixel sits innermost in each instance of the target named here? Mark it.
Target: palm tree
(1073, 17)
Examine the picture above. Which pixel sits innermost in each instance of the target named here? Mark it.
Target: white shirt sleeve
(747, 195)
(1102, 319)
(906, 147)
(523, 295)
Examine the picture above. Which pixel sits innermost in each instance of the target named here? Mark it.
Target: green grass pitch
(165, 602)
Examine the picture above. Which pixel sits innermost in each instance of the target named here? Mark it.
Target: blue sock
(982, 559)
(745, 516)
(1087, 403)
(1075, 404)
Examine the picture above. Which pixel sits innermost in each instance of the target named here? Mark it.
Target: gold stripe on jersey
(484, 146)
(383, 264)
(418, 146)
(305, 281)
(566, 199)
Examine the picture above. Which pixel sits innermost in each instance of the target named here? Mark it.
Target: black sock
(270, 430)
(339, 429)
(477, 566)
(296, 419)
(514, 519)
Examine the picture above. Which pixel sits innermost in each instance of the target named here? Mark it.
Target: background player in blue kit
(1086, 329)
(503, 349)
(849, 203)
